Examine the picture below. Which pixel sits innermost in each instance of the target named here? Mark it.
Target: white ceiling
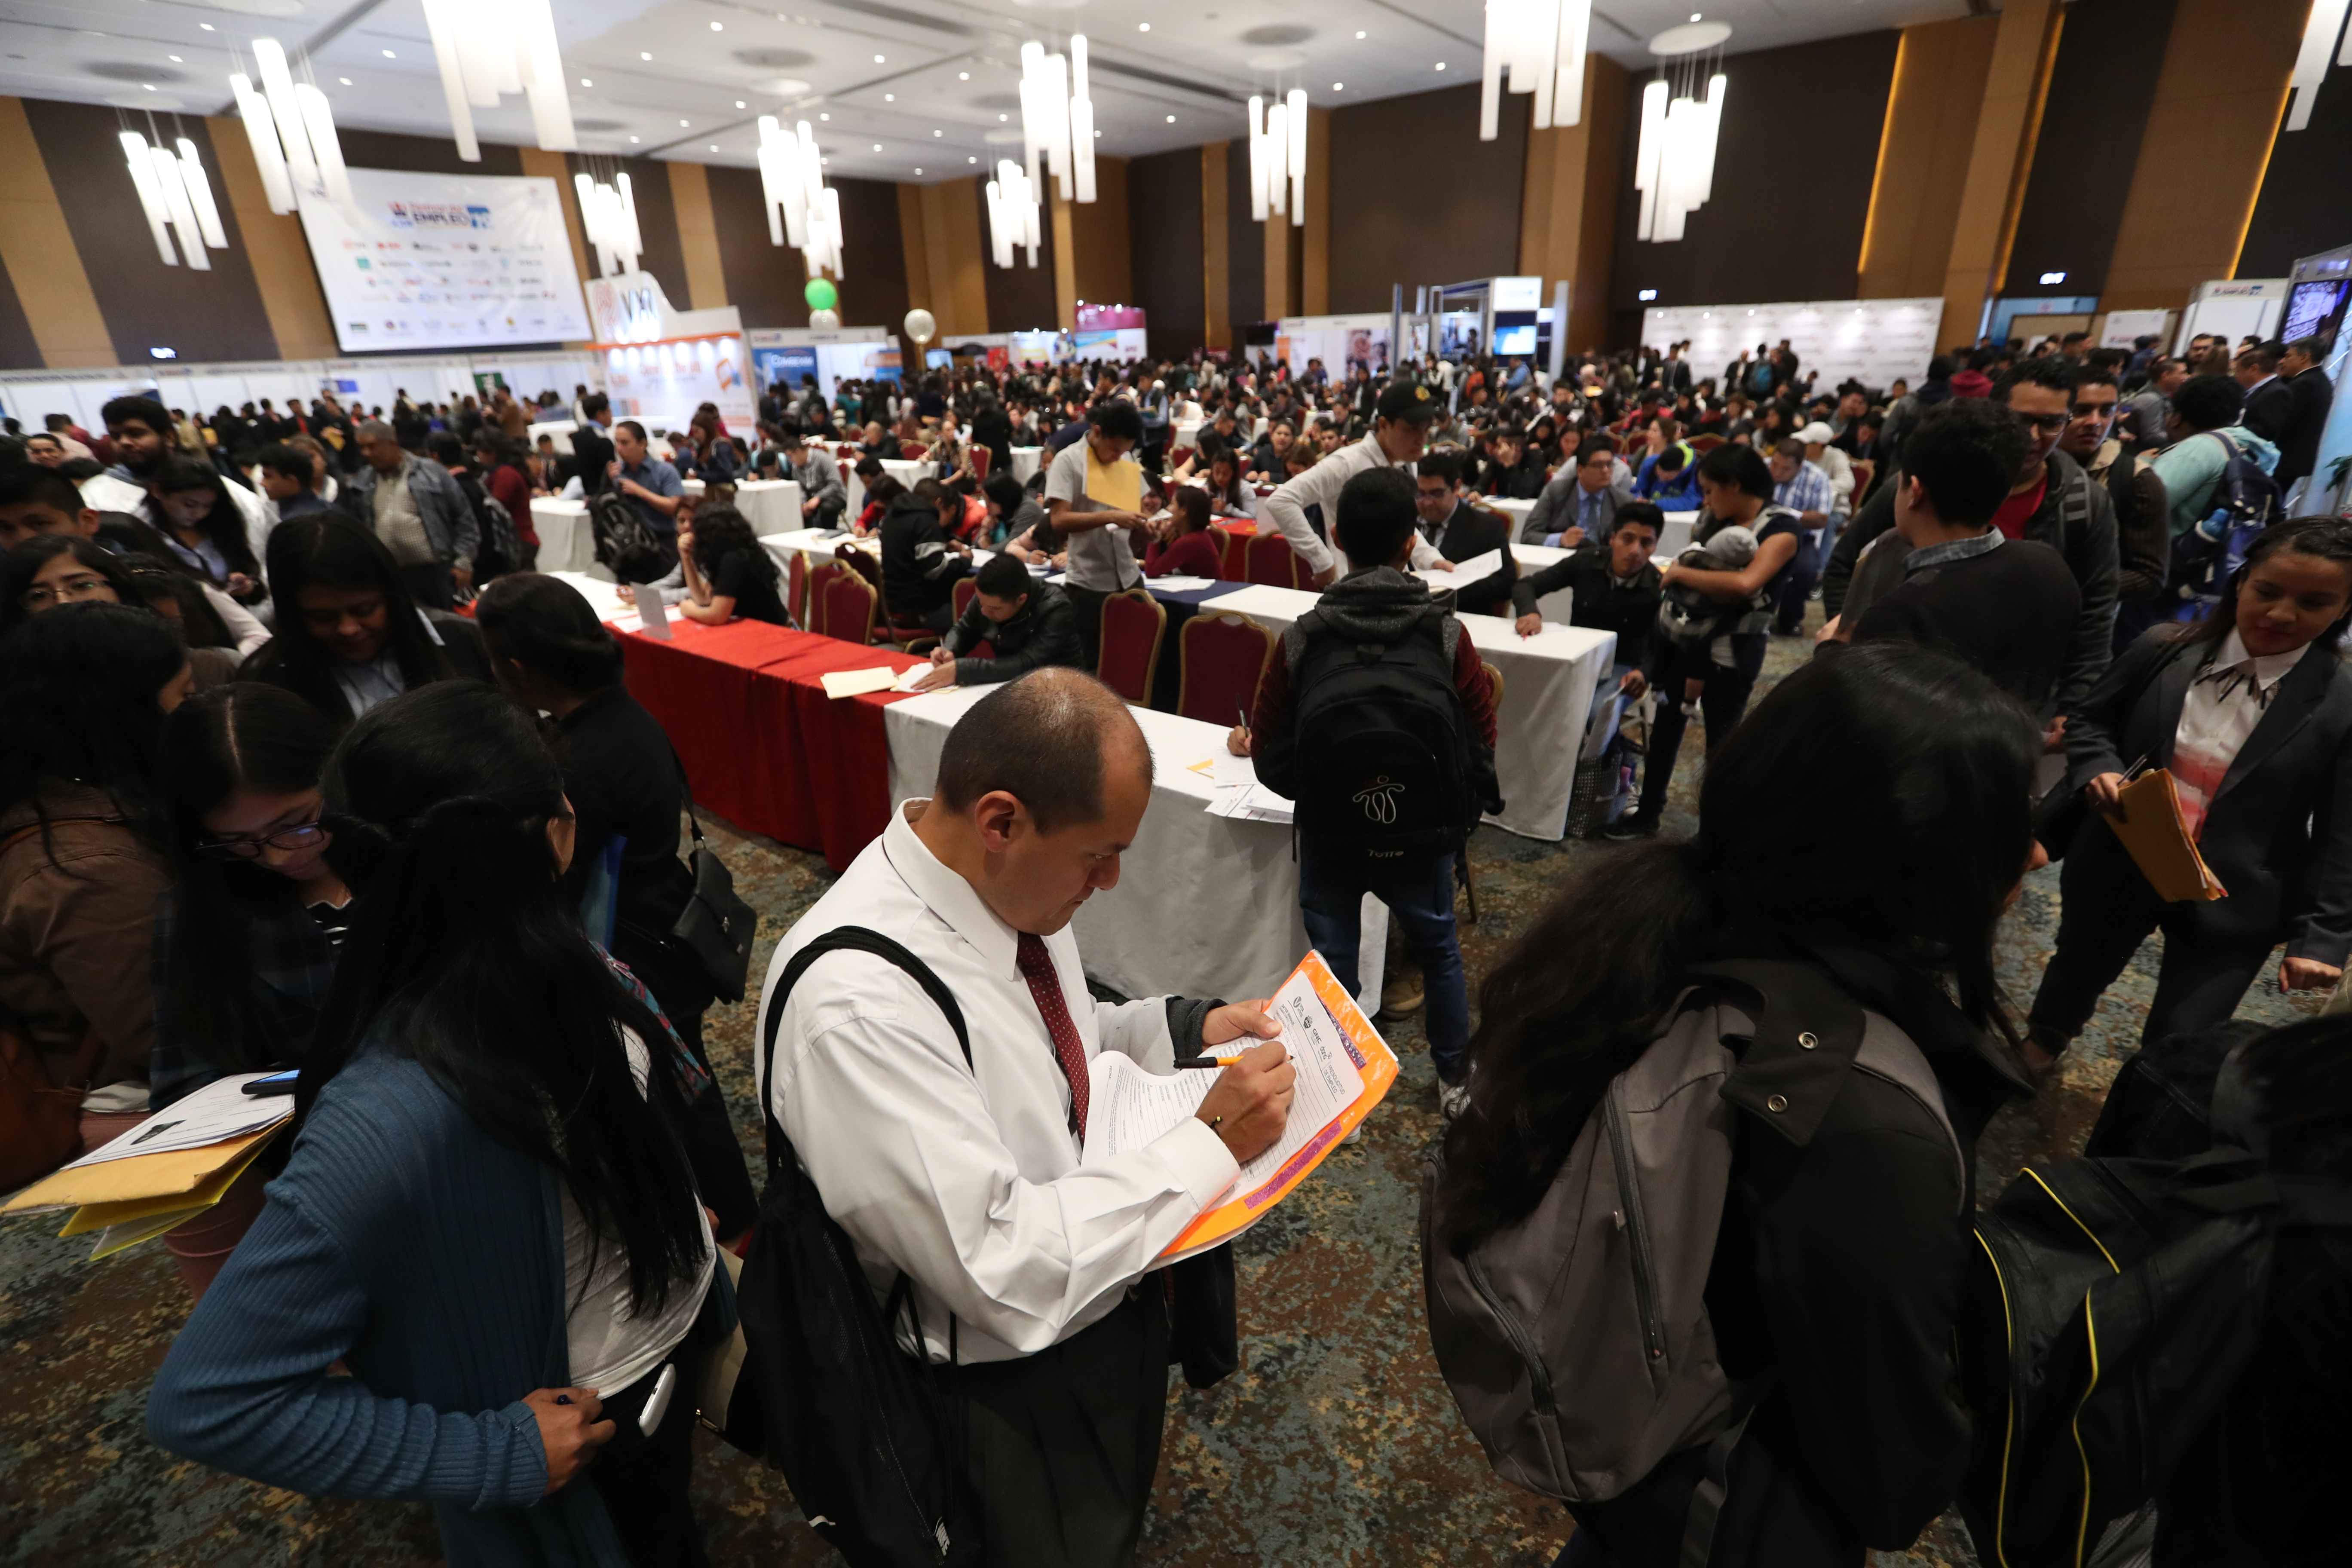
(898, 89)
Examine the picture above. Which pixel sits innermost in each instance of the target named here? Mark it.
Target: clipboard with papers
(2149, 825)
(1345, 1070)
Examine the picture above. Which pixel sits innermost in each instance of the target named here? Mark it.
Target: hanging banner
(446, 261)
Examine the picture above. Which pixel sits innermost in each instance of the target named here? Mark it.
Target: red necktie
(1046, 987)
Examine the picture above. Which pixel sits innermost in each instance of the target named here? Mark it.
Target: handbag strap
(692, 821)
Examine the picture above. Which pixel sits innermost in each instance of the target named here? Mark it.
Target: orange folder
(2151, 827)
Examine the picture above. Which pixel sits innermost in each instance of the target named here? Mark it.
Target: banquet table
(566, 543)
(770, 506)
(1205, 906)
(1026, 461)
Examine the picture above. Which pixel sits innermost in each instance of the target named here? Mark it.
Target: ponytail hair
(465, 957)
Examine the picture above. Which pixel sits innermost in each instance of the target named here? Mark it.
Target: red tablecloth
(763, 746)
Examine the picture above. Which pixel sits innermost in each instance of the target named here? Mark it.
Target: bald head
(1049, 740)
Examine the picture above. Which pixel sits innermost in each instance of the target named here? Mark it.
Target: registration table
(770, 506)
(566, 544)
(1205, 906)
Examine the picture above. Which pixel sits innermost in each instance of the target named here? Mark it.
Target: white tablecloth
(1548, 685)
(1205, 906)
(566, 544)
(770, 506)
(1025, 461)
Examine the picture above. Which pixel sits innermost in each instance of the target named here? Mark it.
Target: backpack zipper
(1637, 1230)
(1538, 1375)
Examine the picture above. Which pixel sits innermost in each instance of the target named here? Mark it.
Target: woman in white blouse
(2251, 709)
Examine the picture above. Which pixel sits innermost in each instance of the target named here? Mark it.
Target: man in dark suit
(592, 444)
(2270, 401)
(1458, 528)
(1580, 503)
(2007, 606)
(2303, 371)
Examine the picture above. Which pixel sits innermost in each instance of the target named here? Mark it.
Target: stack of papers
(1344, 1069)
(1250, 803)
(1178, 585)
(840, 683)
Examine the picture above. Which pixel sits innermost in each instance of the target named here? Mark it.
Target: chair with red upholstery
(1222, 653)
(846, 604)
(897, 629)
(1133, 625)
(1865, 469)
(965, 590)
(796, 593)
(1703, 444)
(1268, 559)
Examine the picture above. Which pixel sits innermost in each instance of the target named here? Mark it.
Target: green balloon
(821, 294)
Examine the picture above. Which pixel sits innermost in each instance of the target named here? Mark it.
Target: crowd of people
(308, 769)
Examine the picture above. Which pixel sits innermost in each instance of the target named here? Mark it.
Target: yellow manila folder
(176, 1174)
(1114, 486)
(2150, 826)
(1344, 1069)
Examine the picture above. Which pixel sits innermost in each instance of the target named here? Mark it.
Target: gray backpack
(1577, 1341)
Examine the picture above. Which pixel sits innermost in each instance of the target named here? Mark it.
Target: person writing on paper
(2251, 709)
(967, 1179)
(1094, 531)
(1400, 435)
(485, 1217)
(247, 933)
(1027, 623)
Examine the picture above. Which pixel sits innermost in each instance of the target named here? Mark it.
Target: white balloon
(920, 325)
(824, 318)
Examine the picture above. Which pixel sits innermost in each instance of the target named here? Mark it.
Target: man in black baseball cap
(1400, 422)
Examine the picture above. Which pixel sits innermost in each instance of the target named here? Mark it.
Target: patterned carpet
(1335, 1444)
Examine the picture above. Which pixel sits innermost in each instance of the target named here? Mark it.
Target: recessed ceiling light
(681, 125)
(1098, 135)
(344, 80)
(919, 171)
(1360, 35)
(632, 141)
(963, 76)
(175, 59)
(1441, 65)
(718, 26)
(889, 97)
(1338, 87)
(877, 60)
(1002, 117)
(739, 103)
(1172, 120)
(390, 56)
(146, 87)
(1694, 16)
(825, 117)
(878, 146)
(972, 160)
(1143, 26)
(207, 27)
(714, 146)
(585, 82)
(643, 55)
(827, 163)
(939, 132)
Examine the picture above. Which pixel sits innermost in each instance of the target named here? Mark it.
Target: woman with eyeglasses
(246, 934)
(83, 692)
(52, 569)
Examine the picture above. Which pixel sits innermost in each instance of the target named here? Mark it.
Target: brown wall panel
(1164, 239)
(2305, 203)
(689, 196)
(1785, 219)
(1417, 198)
(211, 315)
(36, 251)
(19, 350)
(1923, 156)
(1245, 245)
(1098, 234)
(664, 256)
(1217, 247)
(2101, 86)
(2219, 102)
(422, 155)
(1021, 298)
(873, 252)
(276, 249)
(764, 280)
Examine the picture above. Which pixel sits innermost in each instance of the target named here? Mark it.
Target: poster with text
(445, 261)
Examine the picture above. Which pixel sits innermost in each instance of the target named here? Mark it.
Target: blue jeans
(1418, 888)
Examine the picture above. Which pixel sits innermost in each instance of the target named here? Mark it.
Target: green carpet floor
(1336, 1443)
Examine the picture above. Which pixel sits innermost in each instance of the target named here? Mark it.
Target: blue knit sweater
(429, 1257)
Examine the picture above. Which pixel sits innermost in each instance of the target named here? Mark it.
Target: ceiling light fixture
(207, 27)
(1278, 156)
(608, 218)
(741, 104)
(1012, 213)
(174, 190)
(1541, 43)
(344, 80)
(802, 211)
(1338, 87)
(390, 56)
(1673, 167)
(291, 130)
(963, 76)
(1143, 26)
(1441, 65)
(173, 59)
(1057, 119)
(1360, 35)
(2319, 30)
(718, 26)
(493, 47)
(644, 55)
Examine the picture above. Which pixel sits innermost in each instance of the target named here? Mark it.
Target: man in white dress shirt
(969, 1179)
(1400, 422)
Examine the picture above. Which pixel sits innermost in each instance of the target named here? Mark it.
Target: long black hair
(78, 701)
(1934, 766)
(223, 525)
(2327, 538)
(544, 624)
(465, 957)
(721, 531)
(245, 735)
(316, 551)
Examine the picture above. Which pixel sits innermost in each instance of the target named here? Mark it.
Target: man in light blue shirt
(652, 484)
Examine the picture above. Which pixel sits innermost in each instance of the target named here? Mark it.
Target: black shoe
(1630, 827)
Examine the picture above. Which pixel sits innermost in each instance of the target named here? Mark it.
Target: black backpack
(626, 545)
(1385, 760)
(2115, 1302)
(854, 1422)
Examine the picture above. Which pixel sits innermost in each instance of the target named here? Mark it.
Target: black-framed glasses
(251, 845)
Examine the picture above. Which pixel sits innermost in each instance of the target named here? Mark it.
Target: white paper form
(213, 1114)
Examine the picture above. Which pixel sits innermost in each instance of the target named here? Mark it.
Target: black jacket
(1472, 531)
(592, 452)
(918, 568)
(2010, 612)
(1600, 601)
(1044, 631)
(2076, 518)
(2293, 420)
(624, 781)
(2278, 833)
(461, 649)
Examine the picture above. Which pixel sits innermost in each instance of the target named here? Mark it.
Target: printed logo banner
(446, 261)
